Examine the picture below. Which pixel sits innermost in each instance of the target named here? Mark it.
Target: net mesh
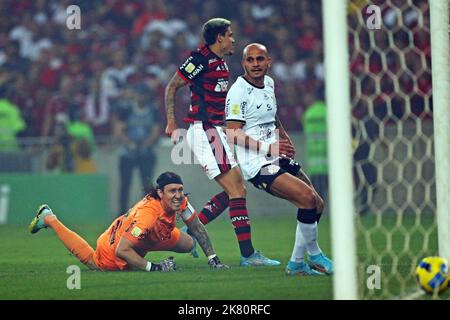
(393, 143)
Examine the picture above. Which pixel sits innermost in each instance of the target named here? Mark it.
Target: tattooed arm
(169, 101)
(198, 230)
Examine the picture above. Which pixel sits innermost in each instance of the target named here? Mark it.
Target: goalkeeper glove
(215, 263)
(165, 265)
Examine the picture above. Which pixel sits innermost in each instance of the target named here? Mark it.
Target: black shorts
(268, 173)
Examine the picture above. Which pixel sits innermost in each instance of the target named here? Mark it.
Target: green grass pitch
(34, 267)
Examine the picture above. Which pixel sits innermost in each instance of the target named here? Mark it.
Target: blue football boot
(321, 262)
(301, 269)
(257, 259)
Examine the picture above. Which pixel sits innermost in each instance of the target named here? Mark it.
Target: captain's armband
(188, 213)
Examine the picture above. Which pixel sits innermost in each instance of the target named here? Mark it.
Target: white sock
(298, 253)
(309, 232)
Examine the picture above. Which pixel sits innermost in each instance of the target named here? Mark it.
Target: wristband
(212, 256)
(148, 267)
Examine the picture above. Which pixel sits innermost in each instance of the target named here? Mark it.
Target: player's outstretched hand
(168, 264)
(172, 131)
(215, 263)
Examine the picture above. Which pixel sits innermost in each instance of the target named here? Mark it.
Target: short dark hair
(214, 27)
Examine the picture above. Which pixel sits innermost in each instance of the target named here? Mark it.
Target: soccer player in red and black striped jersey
(206, 72)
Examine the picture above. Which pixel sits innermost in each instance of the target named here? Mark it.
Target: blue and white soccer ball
(432, 274)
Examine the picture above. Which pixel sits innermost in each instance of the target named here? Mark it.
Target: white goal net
(392, 130)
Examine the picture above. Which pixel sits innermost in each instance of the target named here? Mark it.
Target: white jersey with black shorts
(256, 108)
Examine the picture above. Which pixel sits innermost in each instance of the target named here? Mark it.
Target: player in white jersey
(255, 107)
(267, 161)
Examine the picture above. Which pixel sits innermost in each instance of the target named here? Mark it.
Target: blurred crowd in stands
(47, 70)
(54, 75)
(391, 67)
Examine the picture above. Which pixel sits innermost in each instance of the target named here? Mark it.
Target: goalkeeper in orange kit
(148, 226)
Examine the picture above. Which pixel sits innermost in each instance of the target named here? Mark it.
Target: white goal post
(397, 200)
(440, 48)
(339, 148)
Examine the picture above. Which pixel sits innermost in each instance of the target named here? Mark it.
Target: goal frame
(337, 79)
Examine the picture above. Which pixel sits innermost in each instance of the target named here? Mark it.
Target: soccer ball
(432, 274)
